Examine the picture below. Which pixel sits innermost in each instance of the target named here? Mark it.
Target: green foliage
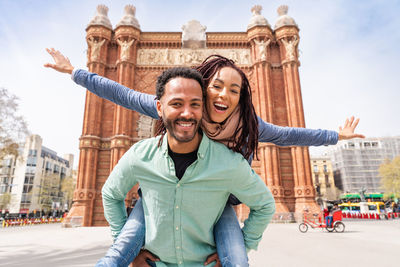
(13, 128)
(68, 187)
(5, 200)
(47, 191)
(390, 177)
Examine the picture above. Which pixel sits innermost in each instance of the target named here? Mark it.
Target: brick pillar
(260, 38)
(125, 120)
(98, 38)
(303, 187)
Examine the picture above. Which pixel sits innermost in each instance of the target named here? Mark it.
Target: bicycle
(337, 225)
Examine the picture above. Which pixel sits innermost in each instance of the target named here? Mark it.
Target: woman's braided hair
(247, 135)
(247, 138)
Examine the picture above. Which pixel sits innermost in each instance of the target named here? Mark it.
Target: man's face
(181, 108)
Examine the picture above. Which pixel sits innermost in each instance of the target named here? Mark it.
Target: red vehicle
(317, 221)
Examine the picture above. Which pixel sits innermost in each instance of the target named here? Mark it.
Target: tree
(13, 128)
(67, 188)
(5, 200)
(50, 190)
(390, 176)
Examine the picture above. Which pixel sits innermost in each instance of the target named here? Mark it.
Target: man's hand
(140, 260)
(62, 63)
(347, 132)
(211, 258)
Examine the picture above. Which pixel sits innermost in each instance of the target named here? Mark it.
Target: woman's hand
(347, 132)
(62, 63)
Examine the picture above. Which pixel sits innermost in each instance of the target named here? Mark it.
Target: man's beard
(170, 125)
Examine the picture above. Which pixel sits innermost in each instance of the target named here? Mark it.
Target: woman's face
(223, 94)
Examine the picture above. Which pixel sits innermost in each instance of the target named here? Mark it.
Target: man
(185, 179)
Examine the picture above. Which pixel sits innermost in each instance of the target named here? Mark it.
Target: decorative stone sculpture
(362, 194)
(291, 48)
(145, 126)
(257, 19)
(194, 35)
(129, 18)
(284, 19)
(160, 57)
(233, 56)
(125, 48)
(101, 17)
(95, 48)
(262, 48)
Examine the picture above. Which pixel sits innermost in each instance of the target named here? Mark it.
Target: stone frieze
(170, 57)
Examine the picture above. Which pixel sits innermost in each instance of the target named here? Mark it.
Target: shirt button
(178, 185)
(178, 247)
(177, 207)
(180, 262)
(177, 228)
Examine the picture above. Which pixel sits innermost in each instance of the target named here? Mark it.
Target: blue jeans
(328, 221)
(229, 240)
(227, 233)
(129, 242)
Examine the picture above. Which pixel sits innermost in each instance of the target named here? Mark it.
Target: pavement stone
(364, 243)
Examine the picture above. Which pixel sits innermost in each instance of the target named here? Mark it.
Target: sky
(349, 54)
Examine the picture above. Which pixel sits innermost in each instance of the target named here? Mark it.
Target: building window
(26, 198)
(27, 188)
(31, 161)
(30, 170)
(7, 163)
(3, 188)
(56, 168)
(48, 166)
(32, 152)
(315, 168)
(325, 168)
(29, 179)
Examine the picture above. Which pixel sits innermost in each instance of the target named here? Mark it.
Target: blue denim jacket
(146, 104)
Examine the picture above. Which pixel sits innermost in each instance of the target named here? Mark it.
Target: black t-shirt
(182, 161)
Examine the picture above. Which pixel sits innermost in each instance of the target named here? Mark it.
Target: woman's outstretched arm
(105, 88)
(293, 136)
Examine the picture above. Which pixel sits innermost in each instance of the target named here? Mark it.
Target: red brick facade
(109, 130)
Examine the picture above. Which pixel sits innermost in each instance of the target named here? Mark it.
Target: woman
(229, 118)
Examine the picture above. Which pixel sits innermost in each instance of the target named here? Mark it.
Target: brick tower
(134, 58)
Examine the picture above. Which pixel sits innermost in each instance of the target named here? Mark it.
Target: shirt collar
(201, 152)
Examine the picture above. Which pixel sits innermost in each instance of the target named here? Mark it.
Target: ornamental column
(287, 35)
(127, 34)
(260, 37)
(98, 37)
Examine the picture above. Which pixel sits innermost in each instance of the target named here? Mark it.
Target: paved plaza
(364, 243)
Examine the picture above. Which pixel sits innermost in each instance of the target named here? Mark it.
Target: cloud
(349, 54)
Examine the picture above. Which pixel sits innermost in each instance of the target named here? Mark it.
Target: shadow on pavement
(73, 258)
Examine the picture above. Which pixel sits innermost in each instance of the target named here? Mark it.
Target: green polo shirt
(180, 214)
